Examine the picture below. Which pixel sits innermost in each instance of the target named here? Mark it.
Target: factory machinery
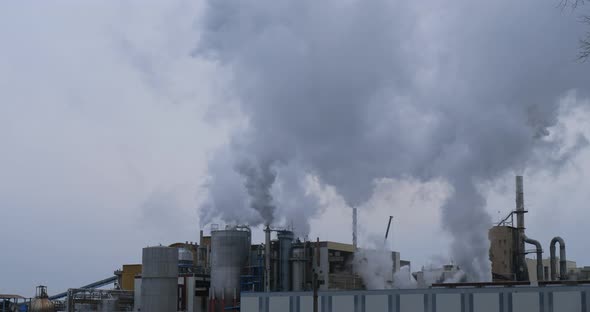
(211, 275)
(508, 253)
(83, 299)
(207, 276)
(226, 264)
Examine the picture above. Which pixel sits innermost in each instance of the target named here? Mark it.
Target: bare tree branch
(585, 43)
(571, 3)
(584, 53)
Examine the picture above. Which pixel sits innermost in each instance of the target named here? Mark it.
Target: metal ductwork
(539, 253)
(562, 259)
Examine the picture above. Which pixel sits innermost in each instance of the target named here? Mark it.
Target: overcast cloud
(117, 119)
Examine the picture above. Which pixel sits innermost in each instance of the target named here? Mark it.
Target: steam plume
(353, 91)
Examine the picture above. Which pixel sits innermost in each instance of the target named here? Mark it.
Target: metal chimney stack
(522, 272)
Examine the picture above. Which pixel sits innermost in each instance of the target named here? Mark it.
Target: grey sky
(111, 113)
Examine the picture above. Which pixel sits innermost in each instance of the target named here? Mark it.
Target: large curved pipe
(562, 259)
(539, 256)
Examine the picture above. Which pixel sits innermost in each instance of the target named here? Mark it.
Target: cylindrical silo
(229, 254)
(298, 263)
(285, 243)
(159, 279)
(185, 258)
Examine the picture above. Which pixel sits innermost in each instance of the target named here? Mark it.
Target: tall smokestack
(354, 229)
(267, 259)
(522, 272)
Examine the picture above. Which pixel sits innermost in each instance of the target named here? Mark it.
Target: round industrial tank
(41, 303)
(229, 254)
(159, 279)
(298, 268)
(285, 242)
(185, 258)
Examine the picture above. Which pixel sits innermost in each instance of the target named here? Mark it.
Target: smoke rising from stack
(258, 181)
(352, 91)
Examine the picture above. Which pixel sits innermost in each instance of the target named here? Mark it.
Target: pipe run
(562, 259)
(539, 256)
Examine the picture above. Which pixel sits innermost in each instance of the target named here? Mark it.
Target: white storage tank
(298, 264)
(229, 254)
(159, 279)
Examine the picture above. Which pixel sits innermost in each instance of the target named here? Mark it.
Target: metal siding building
(489, 299)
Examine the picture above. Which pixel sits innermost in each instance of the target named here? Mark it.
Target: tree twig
(585, 43)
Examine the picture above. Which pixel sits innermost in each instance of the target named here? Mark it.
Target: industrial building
(508, 252)
(227, 264)
(490, 298)
(226, 272)
(532, 267)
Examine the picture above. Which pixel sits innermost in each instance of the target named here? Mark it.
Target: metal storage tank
(185, 258)
(229, 254)
(285, 243)
(159, 279)
(298, 264)
(41, 303)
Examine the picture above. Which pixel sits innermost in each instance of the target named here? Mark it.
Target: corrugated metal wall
(491, 299)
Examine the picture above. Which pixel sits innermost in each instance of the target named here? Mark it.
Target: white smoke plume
(353, 91)
(259, 178)
(403, 279)
(375, 266)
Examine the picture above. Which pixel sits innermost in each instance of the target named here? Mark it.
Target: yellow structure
(128, 276)
(503, 246)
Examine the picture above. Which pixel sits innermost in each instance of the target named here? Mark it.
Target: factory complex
(225, 271)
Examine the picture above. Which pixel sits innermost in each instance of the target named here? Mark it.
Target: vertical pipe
(212, 300)
(354, 229)
(267, 259)
(388, 226)
(275, 268)
(562, 263)
(520, 251)
(562, 259)
(222, 303)
(552, 260)
(539, 256)
(317, 252)
(315, 276)
(209, 256)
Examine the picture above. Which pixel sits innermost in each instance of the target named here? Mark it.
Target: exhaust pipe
(539, 256)
(562, 259)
